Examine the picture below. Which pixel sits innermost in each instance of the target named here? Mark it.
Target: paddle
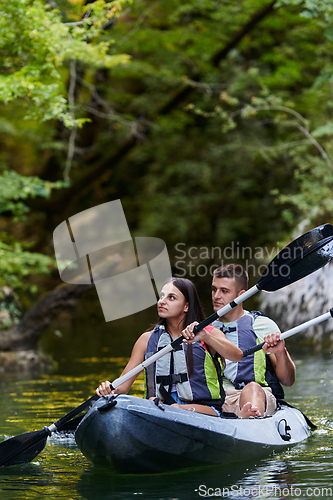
(25, 447)
(301, 257)
(292, 331)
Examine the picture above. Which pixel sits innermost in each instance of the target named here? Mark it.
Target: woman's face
(172, 303)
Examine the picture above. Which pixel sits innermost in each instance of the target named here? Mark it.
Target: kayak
(134, 435)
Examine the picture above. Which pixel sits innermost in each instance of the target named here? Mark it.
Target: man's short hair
(235, 271)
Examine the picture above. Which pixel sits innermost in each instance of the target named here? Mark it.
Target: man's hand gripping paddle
(292, 331)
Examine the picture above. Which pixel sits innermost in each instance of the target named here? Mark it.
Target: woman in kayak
(188, 377)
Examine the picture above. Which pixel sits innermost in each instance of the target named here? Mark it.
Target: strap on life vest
(175, 378)
(166, 380)
(217, 368)
(177, 347)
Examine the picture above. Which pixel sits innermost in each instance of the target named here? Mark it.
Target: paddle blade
(23, 448)
(301, 257)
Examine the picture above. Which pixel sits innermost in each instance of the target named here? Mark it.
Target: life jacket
(256, 367)
(202, 386)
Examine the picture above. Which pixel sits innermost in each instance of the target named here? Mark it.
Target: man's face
(224, 290)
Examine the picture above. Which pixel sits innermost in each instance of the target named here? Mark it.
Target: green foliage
(324, 130)
(15, 188)
(36, 43)
(315, 190)
(312, 8)
(199, 150)
(16, 264)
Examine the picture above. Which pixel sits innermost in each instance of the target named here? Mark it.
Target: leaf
(326, 129)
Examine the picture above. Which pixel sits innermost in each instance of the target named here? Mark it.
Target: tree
(38, 44)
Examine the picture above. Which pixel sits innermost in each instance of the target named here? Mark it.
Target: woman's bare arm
(137, 357)
(216, 340)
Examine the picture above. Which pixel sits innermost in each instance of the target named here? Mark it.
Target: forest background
(211, 120)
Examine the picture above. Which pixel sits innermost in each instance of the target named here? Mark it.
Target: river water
(61, 471)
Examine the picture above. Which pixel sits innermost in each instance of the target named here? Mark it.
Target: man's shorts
(232, 395)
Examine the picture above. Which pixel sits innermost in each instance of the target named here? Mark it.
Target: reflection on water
(61, 471)
(184, 484)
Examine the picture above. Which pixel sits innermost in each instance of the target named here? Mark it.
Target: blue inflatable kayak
(134, 435)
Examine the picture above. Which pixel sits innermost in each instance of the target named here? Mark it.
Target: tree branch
(25, 336)
(302, 128)
(72, 137)
(256, 18)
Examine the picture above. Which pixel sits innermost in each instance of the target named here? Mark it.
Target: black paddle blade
(23, 448)
(301, 257)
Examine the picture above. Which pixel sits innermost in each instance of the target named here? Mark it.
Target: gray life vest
(201, 386)
(254, 368)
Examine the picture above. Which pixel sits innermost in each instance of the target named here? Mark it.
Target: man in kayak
(254, 383)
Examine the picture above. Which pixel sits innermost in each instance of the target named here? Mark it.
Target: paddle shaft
(59, 423)
(168, 348)
(225, 309)
(116, 383)
(221, 312)
(42, 435)
(147, 362)
(292, 331)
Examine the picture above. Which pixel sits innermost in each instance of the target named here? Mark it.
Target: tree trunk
(19, 344)
(25, 336)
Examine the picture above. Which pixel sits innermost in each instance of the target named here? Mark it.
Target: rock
(28, 362)
(300, 302)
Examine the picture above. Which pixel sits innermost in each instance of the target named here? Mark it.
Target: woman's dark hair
(194, 312)
(187, 288)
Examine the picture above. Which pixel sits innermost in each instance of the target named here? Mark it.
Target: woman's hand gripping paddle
(301, 257)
